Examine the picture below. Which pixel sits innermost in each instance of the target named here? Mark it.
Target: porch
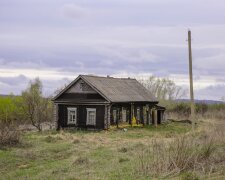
(134, 114)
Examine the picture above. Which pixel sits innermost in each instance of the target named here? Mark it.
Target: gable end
(79, 86)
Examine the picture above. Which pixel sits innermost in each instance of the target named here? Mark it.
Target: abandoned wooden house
(99, 102)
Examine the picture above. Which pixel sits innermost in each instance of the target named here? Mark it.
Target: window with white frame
(91, 116)
(72, 115)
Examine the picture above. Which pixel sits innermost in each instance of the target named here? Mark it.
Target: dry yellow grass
(118, 154)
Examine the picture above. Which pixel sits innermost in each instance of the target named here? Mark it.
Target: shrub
(76, 141)
(183, 154)
(179, 110)
(10, 109)
(189, 176)
(81, 161)
(51, 139)
(9, 135)
(123, 150)
(123, 160)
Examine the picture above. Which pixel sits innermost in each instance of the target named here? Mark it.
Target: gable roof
(116, 89)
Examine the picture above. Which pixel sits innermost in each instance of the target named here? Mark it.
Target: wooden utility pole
(191, 81)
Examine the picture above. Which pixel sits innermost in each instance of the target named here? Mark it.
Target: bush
(123, 150)
(50, 139)
(182, 155)
(121, 160)
(182, 110)
(81, 161)
(9, 135)
(189, 176)
(10, 109)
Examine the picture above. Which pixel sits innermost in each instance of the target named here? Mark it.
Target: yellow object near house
(134, 121)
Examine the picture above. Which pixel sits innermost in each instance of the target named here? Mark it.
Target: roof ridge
(107, 77)
(92, 75)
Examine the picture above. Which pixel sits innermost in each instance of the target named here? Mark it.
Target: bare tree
(57, 91)
(163, 88)
(36, 108)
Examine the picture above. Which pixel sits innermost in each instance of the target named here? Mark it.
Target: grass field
(113, 154)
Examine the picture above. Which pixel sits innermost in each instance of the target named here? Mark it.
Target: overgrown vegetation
(168, 92)
(10, 109)
(36, 108)
(171, 150)
(163, 88)
(9, 135)
(181, 110)
(30, 108)
(201, 154)
(10, 116)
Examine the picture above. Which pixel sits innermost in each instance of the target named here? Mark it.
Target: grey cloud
(13, 84)
(74, 11)
(213, 63)
(50, 86)
(111, 37)
(107, 59)
(17, 84)
(13, 81)
(215, 92)
(221, 79)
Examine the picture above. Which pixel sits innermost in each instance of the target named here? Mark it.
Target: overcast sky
(56, 40)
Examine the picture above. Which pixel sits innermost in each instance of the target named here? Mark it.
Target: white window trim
(87, 119)
(69, 109)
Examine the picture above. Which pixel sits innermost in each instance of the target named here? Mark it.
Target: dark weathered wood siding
(81, 116)
(80, 97)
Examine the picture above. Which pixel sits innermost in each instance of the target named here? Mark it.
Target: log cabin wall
(81, 116)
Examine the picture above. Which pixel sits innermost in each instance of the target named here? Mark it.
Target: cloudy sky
(56, 40)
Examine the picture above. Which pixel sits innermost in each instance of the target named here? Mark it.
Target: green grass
(82, 154)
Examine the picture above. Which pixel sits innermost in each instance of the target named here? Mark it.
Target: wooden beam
(56, 116)
(155, 117)
(132, 114)
(108, 116)
(191, 80)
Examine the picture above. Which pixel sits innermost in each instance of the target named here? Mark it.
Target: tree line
(31, 107)
(163, 88)
(35, 109)
(167, 92)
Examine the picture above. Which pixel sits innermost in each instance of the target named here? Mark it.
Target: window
(91, 116)
(72, 115)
